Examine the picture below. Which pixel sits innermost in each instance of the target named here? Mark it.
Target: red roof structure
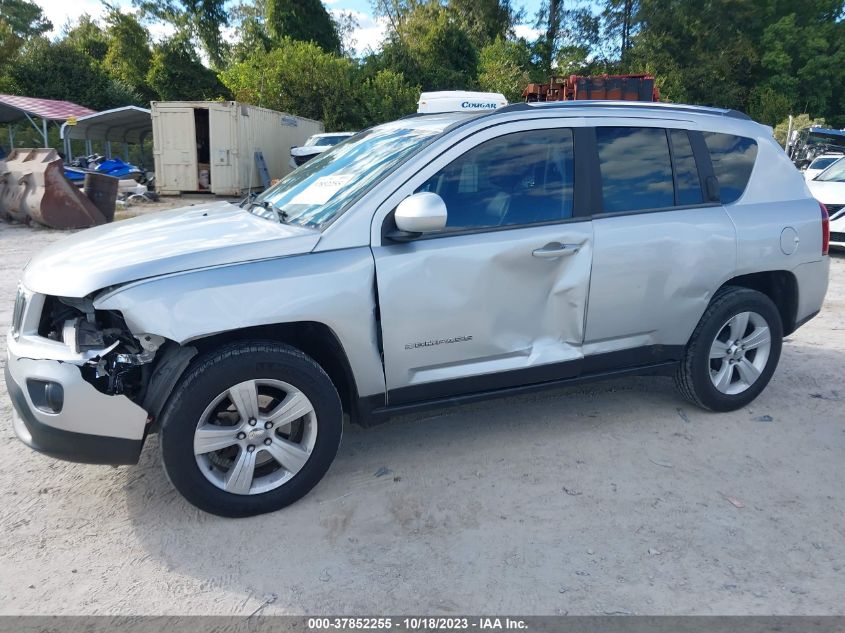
(14, 108)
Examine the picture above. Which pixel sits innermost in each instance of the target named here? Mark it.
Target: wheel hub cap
(740, 352)
(256, 435)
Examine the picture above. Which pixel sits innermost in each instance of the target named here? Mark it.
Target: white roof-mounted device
(459, 101)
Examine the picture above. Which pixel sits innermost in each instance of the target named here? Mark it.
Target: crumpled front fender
(335, 288)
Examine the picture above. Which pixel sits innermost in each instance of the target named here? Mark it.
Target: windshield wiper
(265, 204)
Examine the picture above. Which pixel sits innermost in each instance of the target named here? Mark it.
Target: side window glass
(636, 169)
(687, 183)
(733, 159)
(515, 179)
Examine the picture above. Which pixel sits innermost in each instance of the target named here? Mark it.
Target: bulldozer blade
(36, 189)
(4, 188)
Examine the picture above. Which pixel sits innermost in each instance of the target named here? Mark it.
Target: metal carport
(15, 108)
(129, 124)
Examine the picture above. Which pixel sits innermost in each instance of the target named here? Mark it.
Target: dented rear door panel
(654, 274)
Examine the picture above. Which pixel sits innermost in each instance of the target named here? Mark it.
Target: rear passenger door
(663, 244)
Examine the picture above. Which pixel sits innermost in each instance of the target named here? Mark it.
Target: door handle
(556, 249)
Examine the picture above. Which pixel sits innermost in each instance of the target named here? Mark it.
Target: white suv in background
(819, 164)
(829, 189)
(315, 145)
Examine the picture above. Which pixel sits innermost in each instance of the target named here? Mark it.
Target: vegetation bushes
(768, 57)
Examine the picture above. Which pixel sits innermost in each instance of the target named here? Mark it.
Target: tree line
(769, 58)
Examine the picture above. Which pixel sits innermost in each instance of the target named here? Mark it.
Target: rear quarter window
(733, 159)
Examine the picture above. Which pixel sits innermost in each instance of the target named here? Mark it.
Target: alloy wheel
(255, 436)
(739, 353)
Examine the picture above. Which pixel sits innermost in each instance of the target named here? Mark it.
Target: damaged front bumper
(59, 413)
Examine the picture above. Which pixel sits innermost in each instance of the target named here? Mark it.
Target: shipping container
(211, 146)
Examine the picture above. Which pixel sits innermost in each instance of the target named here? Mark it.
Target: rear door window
(733, 159)
(636, 168)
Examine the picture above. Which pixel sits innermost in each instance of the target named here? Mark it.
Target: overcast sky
(369, 34)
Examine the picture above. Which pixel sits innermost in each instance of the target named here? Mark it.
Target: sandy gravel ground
(612, 498)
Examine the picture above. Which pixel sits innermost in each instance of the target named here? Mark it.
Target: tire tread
(180, 400)
(684, 376)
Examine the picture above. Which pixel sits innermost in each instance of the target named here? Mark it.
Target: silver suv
(426, 262)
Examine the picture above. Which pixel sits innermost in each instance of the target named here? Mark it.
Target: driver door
(498, 298)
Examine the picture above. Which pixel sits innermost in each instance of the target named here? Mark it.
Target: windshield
(834, 173)
(821, 163)
(317, 192)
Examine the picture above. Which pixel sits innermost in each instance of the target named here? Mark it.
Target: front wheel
(250, 429)
(733, 351)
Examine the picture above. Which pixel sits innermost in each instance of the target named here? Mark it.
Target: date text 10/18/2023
(416, 624)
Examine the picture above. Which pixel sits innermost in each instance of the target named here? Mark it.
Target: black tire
(693, 376)
(213, 374)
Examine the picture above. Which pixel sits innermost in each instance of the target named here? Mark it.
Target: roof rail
(561, 105)
(512, 107)
(676, 107)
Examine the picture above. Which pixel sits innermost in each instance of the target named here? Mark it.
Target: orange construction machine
(576, 87)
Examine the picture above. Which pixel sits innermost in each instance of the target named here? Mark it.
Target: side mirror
(417, 214)
(420, 213)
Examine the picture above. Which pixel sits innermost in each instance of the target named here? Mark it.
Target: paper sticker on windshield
(321, 190)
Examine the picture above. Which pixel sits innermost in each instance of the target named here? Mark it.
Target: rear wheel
(250, 429)
(733, 351)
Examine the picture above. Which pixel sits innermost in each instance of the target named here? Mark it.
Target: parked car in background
(829, 189)
(316, 144)
(819, 164)
(429, 261)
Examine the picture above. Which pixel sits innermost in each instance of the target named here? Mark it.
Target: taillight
(825, 229)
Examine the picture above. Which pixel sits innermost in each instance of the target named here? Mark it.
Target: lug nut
(268, 425)
(268, 441)
(252, 421)
(241, 435)
(250, 448)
